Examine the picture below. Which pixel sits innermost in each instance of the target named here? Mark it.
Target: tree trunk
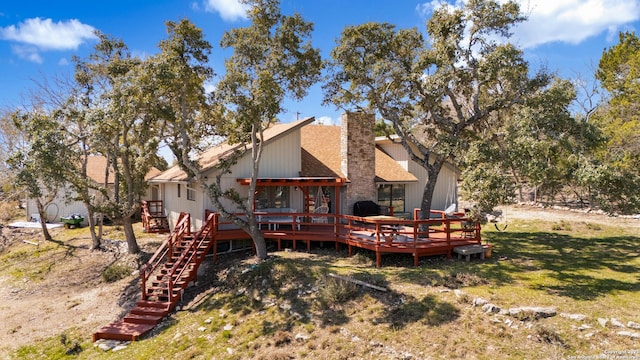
(43, 222)
(429, 189)
(132, 244)
(256, 236)
(95, 240)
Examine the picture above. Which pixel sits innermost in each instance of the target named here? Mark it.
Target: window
(392, 195)
(191, 192)
(179, 190)
(272, 197)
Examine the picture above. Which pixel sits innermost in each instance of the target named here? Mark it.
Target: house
(304, 164)
(62, 206)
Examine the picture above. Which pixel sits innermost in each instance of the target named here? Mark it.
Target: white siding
(446, 191)
(281, 158)
(60, 207)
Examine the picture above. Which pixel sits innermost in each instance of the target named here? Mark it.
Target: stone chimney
(357, 156)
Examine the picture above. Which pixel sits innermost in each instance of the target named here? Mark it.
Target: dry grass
(288, 308)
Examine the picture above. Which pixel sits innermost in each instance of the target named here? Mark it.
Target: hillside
(289, 307)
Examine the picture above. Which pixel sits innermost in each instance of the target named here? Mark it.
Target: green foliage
(115, 272)
(272, 59)
(440, 96)
(613, 171)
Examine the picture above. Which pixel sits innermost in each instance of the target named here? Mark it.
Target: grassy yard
(289, 307)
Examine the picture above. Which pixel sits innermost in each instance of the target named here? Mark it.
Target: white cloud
(229, 10)
(426, 9)
(27, 52)
(210, 88)
(47, 35)
(573, 21)
(568, 21)
(325, 120)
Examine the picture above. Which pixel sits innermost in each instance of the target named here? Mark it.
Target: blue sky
(38, 38)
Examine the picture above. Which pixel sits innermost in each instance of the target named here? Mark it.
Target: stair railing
(165, 251)
(190, 255)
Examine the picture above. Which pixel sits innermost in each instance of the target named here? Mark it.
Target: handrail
(165, 251)
(187, 256)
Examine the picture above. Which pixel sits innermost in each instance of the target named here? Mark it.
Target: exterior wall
(60, 207)
(357, 154)
(281, 157)
(446, 191)
(445, 194)
(174, 205)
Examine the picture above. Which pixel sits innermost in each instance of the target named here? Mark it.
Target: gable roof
(211, 157)
(96, 166)
(321, 156)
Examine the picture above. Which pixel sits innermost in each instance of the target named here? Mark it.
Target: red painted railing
(165, 251)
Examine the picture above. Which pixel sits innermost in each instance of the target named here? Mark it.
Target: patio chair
(320, 219)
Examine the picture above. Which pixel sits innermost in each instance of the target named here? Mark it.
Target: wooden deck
(382, 235)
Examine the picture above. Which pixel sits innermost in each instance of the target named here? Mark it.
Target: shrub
(115, 272)
(335, 291)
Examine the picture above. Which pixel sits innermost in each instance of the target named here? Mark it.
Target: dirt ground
(62, 290)
(67, 293)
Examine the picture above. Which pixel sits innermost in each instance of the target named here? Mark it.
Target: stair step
(150, 310)
(142, 319)
(161, 290)
(122, 331)
(153, 304)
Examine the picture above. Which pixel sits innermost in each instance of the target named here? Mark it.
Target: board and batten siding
(281, 158)
(446, 191)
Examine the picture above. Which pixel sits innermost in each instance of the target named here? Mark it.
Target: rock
(630, 334)
(230, 351)
(228, 327)
(444, 290)
(105, 347)
(603, 322)
(616, 323)
(208, 321)
(584, 327)
(588, 335)
(490, 308)
(535, 311)
(577, 317)
(459, 293)
(302, 337)
(202, 328)
(479, 301)
(119, 347)
(633, 325)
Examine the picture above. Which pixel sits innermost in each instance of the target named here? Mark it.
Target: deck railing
(439, 226)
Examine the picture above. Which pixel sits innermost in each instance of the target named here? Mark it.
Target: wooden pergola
(304, 184)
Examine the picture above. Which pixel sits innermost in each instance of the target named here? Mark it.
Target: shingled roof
(321, 156)
(96, 166)
(210, 158)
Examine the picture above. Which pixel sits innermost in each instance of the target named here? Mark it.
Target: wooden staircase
(164, 278)
(153, 218)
